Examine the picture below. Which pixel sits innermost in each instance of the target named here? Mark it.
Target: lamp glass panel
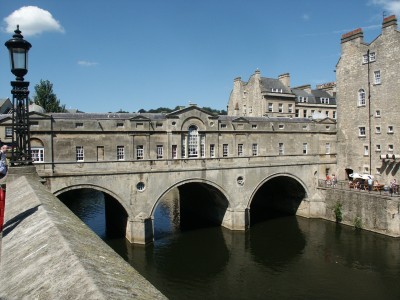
(19, 60)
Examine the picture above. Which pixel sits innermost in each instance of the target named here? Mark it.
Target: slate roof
(267, 84)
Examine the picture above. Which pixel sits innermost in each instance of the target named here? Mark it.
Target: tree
(46, 98)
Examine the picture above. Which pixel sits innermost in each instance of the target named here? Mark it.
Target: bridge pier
(236, 218)
(140, 230)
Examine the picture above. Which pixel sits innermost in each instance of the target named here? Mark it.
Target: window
(378, 148)
(377, 113)
(275, 90)
(160, 151)
(212, 150)
(290, 108)
(223, 125)
(390, 148)
(193, 138)
(202, 146)
(225, 150)
(327, 148)
(280, 107)
(9, 132)
(324, 100)
(80, 155)
(270, 107)
(254, 149)
(372, 56)
(184, 139)
(281, 149)
(334, 114)
(365, 58)
(120, 125)
(378, 129)
(253, 126)
(37, 154)
(361, 131)
(120, 152)
(305, 148)
(139, 125)
(139, 152)
(327, 113)
(304, 113)
(77, 125)
(240, 149)
(302, 99)
(158, 125)
(281, 126)
(174, 151)
(390, 129)
(361, 97)
(377, 77)
(296, 113)
(366, 152)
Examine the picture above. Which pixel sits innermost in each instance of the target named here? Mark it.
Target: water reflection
(285, 258)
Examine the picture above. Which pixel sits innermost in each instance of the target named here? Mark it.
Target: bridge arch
(276, 195)
(97, 188)
(199, 202)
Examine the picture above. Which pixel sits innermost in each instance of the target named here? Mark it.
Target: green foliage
(338, 212)
(46, 98)
(357, 222)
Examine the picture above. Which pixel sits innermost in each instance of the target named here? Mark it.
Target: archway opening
(189, 206)
(99, 211)
(279, 196)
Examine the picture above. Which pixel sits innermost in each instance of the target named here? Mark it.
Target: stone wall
(49, 253)
(370, 211)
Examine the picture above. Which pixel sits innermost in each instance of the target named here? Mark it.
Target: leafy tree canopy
(45, 97)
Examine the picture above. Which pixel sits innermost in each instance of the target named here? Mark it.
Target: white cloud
(85, 63)
(32, 20)
(390, 6)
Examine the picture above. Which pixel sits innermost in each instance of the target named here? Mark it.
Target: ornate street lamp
(18, 48)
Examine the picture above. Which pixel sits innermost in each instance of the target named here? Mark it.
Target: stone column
(140, 230)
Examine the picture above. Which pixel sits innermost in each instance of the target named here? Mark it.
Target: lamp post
(18, 48)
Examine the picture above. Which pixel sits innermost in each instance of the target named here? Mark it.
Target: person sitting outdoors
(393, 186)
(3, 161)
(334, 180)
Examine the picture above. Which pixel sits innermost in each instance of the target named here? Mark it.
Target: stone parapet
(49, 253)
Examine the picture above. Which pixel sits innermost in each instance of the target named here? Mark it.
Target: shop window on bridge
(212, 150)
(120, 153)
(80, 154)
(37, 154)
(174, 151)
(160, 151)
(139, 152)
(240, 149)
(281, 147)
(193, 144)
(225, 150)
(254, 149)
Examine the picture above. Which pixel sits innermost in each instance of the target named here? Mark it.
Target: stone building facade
(368, 89)
(189, 133)
(270, 97)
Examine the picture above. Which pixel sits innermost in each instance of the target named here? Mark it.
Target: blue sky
(103, 56)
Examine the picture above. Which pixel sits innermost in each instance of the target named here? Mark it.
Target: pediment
(140, 118)
(240, 120)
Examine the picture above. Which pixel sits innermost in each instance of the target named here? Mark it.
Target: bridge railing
(129, 166)
(344, 185)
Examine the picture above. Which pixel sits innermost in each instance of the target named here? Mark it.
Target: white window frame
(160, 151)
(139, 152)
(305, 148)
(378, 113)
(254, 149)
(290, 108)
(280, 107)
(8, 132)
(390, 129)
(366, 150)
(202, 146)
(212, 150)
(361, 131)
(361, 97)
(378, 129)
(225, 150)
(378, 148)
(270, 107)
(80, 153)
(120, 153)
(174, 151)
(377, 77)
(37, 154)
(240, 150)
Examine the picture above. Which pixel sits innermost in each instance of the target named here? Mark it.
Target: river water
(282, 258)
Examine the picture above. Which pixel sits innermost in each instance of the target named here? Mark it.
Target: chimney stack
(285, 79)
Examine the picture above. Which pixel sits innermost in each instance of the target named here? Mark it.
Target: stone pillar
(236, 219)
(140, 230)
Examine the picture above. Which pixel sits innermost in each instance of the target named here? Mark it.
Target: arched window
(193, 141)
(361, 97)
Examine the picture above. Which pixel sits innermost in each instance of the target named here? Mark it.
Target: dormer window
(276, 90)
(303, 99)
(324, 100)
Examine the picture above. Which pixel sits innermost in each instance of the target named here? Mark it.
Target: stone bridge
(226, 191)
